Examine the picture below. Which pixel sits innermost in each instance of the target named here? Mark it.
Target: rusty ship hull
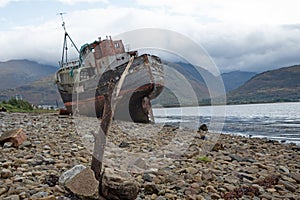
(143, 83)
(83, 82)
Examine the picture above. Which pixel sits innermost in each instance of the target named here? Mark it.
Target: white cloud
(232, 44)
(233, 11)
(258, 12)
(72, 2)
(4, 3)
(36, 43)
(255, 48)
(85, 26)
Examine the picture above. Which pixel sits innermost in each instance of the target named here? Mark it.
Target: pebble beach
(167, 162)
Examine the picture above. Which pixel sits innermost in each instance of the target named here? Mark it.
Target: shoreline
(278, 122)
(227, 104)
(174, 163)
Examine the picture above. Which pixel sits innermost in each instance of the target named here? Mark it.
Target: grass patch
(14, 105)
(204, 159)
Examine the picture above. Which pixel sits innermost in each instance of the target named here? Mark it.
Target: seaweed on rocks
(51, 180)
(240, 192)
(269, 181)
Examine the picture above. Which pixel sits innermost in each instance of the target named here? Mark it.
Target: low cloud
(4, 3)
(232, 46)
(72, 2)
(255, 49)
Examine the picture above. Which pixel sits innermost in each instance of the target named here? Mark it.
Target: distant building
(18, 97)
(47, 107)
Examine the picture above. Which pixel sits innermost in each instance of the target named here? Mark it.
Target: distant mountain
(271, 86)
(186, 85)
(235, 79)
(41, 92)
(15, 73)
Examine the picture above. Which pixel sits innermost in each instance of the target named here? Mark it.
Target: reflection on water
(276, 121)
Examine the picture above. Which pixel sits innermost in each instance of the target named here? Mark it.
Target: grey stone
(48, 198)
(49, 161)
(246, 176)
(6, 173)
(39, 195)
(12, 197)
(160, 198)
(192, 170)
(25, 144)
(124, 144)
(147, 177)
(150, 188)
(170, 178)
(266, 196)
(46, 147)
(63, 198)
(289, 186)
(296, 177)
(118, 185)
(69, 174)
(190, 191)
(296, 148)
(170, 196)
(236, 157)
(262, 166)
(2, 190)
(24, 195)
(215, 196)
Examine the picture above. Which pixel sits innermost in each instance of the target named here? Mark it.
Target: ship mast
(64, 57)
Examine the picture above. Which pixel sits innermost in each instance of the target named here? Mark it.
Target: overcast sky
(248, 35)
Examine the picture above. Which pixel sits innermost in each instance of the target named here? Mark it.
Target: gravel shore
(166, 161)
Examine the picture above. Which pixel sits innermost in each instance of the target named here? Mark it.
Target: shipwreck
(83, 82)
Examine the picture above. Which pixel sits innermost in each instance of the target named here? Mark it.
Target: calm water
(276, 121)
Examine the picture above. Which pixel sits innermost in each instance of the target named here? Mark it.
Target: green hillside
(271, 86)
(16, 73)
(41, 92)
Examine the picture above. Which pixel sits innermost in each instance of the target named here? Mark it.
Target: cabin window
(84, 75)
(117, 45)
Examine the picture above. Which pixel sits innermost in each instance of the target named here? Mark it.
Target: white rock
(69, 174)
(7, 145)
(39, 195)
(46, 147)
(284, 169)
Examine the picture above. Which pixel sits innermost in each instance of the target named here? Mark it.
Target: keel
(140, 110)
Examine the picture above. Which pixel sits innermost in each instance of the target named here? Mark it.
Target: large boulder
(84, 185)
(117, 185)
